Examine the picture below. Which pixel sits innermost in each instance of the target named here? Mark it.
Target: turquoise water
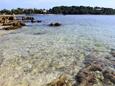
(38, 50)
(88, 27)
(87, 32)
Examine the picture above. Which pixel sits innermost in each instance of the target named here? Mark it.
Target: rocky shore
(39, 59)
(12, 22)
(9, 22)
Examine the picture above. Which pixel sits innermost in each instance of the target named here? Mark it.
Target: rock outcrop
(10, 22)
(13, 25)
(55, 24)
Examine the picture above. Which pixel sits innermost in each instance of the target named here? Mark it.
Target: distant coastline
(64, 10)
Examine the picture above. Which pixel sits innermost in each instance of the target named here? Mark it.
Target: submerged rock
(60, 81)
(36, 21)
(18, 23)
(96, 73)
(112, 52)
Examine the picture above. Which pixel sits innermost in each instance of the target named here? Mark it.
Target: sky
(9, 4)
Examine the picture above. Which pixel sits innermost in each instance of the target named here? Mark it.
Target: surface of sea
(39, 53)
(87, 32)
(83, 31)
(99, 28)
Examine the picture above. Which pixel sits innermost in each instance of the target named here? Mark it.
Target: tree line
(23, 11)
(82, 10)
(63, 10)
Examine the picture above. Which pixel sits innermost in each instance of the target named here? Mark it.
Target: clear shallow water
(38, 50)
(90, 27)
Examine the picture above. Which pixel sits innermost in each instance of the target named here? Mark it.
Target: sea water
(38, 53)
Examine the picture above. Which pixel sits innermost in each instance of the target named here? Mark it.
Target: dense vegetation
(82, 10)
(63, 10)
(23, 11)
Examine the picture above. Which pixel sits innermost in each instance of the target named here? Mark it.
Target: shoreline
(60, 56)
(4, 32)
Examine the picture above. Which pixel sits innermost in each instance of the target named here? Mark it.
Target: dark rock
(39, 33)
(13, 25)
(18, 24)
(11, 28)
(51, 24)
(39, 21)
(55, 24)
(28, 18)
(11, 18)
(35, 21)
(32, 21)
(112, 52)
(110, 75)
(61, 81)
(88, 76)
(85, 77)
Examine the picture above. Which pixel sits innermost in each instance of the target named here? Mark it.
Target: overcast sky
(8, 4)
